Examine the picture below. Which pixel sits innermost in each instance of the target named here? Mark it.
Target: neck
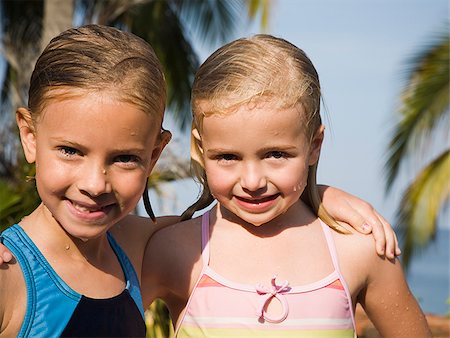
(51, 238)
(297, 215)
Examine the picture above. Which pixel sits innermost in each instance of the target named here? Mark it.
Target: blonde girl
(263, 262)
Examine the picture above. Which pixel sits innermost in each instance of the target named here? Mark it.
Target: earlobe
(27, 133)
(316, 145)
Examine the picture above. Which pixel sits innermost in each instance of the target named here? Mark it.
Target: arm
(361, 216)
(13, 299)
(389, 303)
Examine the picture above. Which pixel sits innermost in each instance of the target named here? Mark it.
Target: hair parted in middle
(261, 68)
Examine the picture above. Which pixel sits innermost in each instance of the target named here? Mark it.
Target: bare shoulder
(171, 259)
(176, 244)
(133, 232)
(355, 250)
(13, 299)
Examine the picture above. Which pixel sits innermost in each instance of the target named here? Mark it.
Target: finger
(398, 251)
(5, 257)
(379, 234)
(392, 248)
(354, 218)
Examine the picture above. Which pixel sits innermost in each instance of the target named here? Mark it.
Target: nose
(253, 177)
(94, 181)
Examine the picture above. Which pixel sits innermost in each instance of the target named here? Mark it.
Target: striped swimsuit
(220, 308)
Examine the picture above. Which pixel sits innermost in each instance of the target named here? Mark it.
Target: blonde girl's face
(256, 160)
(93, 155)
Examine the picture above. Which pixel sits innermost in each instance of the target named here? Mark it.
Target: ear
(197, 139)
(27, 133)
(163, 139)
(316, 145)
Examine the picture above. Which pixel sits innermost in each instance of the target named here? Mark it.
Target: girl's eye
(277, 154)
(226, 157)
(68, 151)
(127, 159)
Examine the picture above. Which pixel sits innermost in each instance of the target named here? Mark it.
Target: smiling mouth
(257, 201)
(89, 209)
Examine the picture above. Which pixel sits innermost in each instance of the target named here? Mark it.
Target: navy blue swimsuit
(55, 310)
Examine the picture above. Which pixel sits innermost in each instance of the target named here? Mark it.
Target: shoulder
(175, 242)
(357, 259)
(13, 296)
(171, 259)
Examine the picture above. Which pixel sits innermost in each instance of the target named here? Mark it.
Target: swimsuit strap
(331, 247)
(334, 257)
(131, 278)
(205, 238)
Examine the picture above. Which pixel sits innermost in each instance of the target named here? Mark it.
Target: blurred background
(384, 69)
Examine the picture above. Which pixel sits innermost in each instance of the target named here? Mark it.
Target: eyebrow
(265, 149)
(138, 151)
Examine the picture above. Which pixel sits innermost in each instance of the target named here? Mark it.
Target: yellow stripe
(245, 333)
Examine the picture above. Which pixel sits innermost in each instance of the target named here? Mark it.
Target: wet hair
(98, 58)
(261, 68)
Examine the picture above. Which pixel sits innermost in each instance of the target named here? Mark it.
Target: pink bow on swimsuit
(273, 292)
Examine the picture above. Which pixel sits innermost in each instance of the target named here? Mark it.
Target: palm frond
(420, 206)
(210, 20)
(425, 102)
(158, 23)
(262, 6)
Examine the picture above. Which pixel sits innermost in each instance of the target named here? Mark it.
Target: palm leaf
(425, 102)
(420, 206)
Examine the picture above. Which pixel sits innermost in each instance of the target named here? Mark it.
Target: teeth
(83, 208)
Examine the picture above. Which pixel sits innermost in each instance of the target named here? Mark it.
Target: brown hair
(98, 58)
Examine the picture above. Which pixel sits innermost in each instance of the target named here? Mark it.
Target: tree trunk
(58, 16)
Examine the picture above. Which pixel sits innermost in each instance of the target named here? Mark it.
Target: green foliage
(158, 321)
(19, 198)
(424, 106)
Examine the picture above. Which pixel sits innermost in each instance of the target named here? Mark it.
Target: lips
(256, 204)
(88, 211)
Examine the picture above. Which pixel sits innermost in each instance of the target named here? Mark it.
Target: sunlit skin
(92, 159)
(256, 161)
(93, 154)
(260, 174)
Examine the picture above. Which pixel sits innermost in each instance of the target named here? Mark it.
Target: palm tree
(424, 112)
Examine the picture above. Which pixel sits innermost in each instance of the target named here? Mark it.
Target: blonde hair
(246, 71)
(98, 58)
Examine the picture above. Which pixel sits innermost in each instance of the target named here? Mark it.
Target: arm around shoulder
(390, 304)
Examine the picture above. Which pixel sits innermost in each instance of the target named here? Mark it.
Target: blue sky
(359, 48)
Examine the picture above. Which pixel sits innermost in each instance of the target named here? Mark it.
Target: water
(429, 275)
